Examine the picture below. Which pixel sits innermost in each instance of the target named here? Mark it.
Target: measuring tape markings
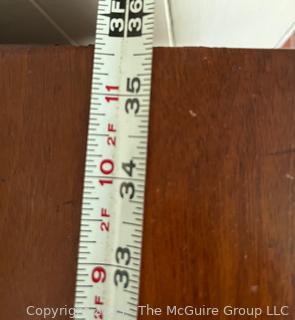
(113, 199)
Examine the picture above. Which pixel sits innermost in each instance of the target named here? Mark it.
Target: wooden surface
(219, 220)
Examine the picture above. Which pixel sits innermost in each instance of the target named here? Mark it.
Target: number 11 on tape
(109, 259)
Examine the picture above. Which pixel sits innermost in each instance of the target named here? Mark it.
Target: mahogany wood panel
(219, 219)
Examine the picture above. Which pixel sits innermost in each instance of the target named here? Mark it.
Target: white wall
(231, 23)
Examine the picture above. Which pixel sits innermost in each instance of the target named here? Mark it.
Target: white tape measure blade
(109, 260)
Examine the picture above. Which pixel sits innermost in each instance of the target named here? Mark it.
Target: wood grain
(219, 220)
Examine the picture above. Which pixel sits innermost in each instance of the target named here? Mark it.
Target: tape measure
(113, 198)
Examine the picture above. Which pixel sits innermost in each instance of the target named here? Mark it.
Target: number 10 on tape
(109, 259)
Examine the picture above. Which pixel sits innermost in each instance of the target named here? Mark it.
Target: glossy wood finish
(219, 221)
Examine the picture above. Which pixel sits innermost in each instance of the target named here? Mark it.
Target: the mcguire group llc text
(255, 312)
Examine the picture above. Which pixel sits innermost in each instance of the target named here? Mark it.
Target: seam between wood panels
(54, 24)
